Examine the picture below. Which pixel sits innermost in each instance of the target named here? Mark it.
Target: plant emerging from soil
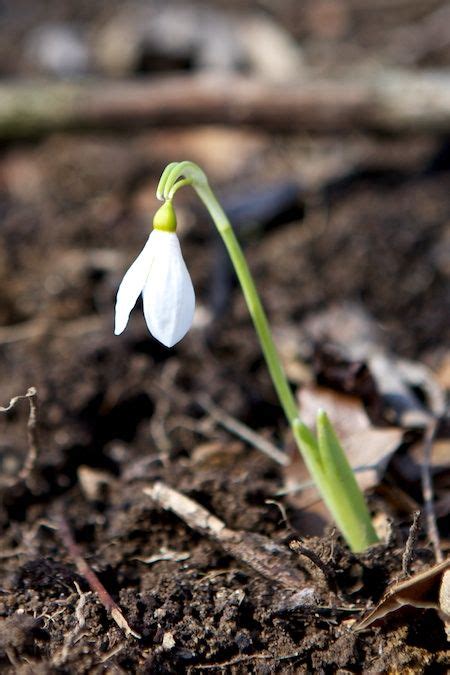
(160, 274)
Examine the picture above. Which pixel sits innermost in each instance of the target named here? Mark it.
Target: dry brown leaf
(426, 590)
(444, 602)
(357, 338)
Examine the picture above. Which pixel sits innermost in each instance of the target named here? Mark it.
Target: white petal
(132, 285)
(169, 298)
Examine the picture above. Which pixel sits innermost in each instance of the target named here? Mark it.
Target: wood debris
(390, 101)
(259, 552)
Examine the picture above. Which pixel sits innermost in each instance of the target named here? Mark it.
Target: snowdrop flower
(160, 274)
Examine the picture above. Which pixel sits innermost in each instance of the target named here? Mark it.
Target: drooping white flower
(160, 274)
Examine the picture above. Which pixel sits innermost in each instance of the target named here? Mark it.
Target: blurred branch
(390, 101)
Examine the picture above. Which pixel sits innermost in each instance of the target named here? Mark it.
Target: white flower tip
(167, 343)
(172, 340)
(121, 318)
(169, 333)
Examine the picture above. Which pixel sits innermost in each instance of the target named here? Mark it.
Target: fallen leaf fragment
(426, 590)
(356, 335)
(444, 602)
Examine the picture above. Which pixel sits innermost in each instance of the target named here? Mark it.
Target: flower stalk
(323, 456)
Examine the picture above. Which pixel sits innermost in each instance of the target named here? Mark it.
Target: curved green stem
(253, 302)
(324, 457)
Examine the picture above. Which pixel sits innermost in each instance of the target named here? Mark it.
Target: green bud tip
(165, 218)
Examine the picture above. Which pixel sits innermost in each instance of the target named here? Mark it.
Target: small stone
(93, 482)
(168, 641)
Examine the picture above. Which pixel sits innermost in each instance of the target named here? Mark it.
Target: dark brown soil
(128, 408)
(352, 221)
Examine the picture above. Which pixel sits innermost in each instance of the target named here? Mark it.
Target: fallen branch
(391, 101)
(259, 552)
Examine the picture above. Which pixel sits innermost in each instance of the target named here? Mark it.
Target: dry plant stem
(247, 657)
(228, 422)
(33, 444)
(283, 512)
(243, 431)
(408, 553)
(92, 579)
(428, 492)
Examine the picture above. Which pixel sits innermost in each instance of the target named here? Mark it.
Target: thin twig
(428, 492)
(247, 657)
(109, 655)
(408, 553)
(92, 579)
(326, 570)
(33, 443)
(231, 424)
(282, 509)
(31, 391)
(243, 431)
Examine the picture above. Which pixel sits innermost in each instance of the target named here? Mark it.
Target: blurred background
(324, 126)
